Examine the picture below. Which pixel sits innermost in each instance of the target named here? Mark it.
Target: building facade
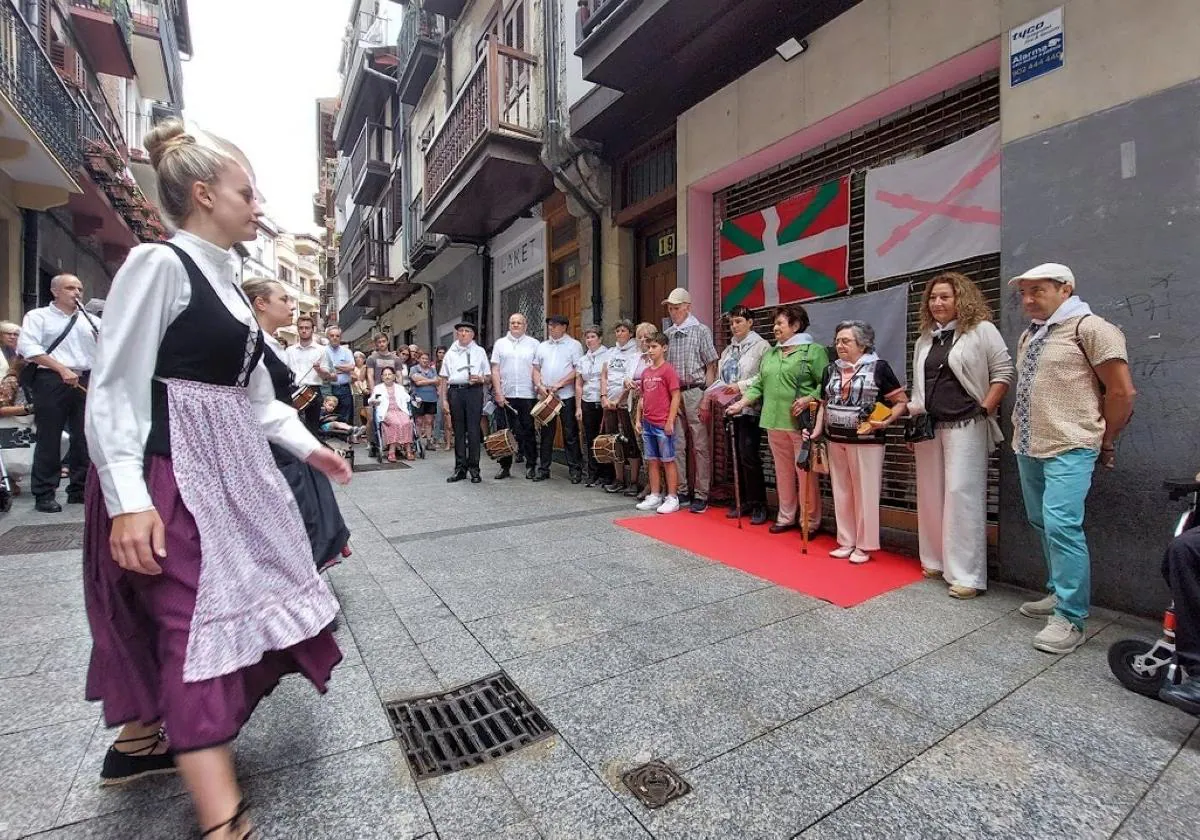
(83, 81)
(1095, 172)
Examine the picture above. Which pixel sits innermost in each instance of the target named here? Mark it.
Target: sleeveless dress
(327, 531)
(239, 603)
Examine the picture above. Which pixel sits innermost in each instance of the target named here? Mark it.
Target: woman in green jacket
(788, 383)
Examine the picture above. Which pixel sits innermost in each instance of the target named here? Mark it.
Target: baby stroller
(1144, 666)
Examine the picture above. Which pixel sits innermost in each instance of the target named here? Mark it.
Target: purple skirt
(140, 626)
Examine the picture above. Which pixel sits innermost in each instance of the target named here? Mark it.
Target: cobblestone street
(909, 716)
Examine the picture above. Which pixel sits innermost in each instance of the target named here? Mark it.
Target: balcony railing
(590, 15)
(496, 98)
(350, 236)
(369, 162)
(368, 262)
(93, 95)
(418, 25)
(29, 80)
(420, 243)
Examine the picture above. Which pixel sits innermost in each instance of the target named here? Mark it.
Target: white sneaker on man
(858, 557)
(1058, 636)
(669, 505)
(651, 502)
(1041, 608)
(842, 552)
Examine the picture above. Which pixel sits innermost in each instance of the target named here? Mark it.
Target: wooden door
(656, 270)
(567, 301)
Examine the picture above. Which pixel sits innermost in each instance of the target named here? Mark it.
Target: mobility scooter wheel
(1146, 678)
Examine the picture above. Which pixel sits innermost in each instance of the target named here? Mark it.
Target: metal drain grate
(655, 784)
(471, 725)
(35, 539)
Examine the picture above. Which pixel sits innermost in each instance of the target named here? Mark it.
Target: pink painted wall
(697, 263)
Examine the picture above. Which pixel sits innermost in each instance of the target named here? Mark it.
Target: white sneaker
(1041, 608)
(651, 502)
(858, 557)
(1058, 636)
(842, 552)
(670, 505)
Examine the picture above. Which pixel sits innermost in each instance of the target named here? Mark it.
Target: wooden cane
(737, 488)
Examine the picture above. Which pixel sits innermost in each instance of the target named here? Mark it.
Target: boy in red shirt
(655, 420)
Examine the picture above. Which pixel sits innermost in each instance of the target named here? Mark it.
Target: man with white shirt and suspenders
(58, 343)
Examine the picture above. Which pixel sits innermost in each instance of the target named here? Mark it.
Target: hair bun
(165, 137)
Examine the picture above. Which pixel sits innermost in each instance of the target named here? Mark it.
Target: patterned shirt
(1058, 404)
(690, 351)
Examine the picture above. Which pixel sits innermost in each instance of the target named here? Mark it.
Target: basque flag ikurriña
(797, 250)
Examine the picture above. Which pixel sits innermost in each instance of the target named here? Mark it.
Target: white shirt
(620, 363)
(588, 366)
(461, 363)
(515, 359)
(556, 359)
(300, 361)
(149, 292)
(46, 323)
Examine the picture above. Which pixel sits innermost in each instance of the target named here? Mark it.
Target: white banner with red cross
(936, 209)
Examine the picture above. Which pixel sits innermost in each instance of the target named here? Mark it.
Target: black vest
(281, 375)
(206, 343)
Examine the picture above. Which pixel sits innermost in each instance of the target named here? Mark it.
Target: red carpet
(777, 557)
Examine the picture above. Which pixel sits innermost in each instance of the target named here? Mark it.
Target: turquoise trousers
(1055, 490)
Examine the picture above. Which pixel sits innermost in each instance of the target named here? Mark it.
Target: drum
(607, 449)
(545, 410)
(304, 395)
(500, 444)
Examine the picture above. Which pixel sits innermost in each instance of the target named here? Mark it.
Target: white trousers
(952, 503)
(856, 471)
(789, 479)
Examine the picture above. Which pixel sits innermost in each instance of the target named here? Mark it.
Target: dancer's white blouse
(149, 292)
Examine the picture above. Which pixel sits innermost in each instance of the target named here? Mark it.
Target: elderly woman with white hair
(855, 384)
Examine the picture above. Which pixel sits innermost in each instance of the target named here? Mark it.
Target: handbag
(918, 429)
(29, 371)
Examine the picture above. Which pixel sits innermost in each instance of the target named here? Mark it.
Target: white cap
(1057, 272)
(679, 295)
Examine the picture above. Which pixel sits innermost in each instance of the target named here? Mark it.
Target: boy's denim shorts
(656, 443)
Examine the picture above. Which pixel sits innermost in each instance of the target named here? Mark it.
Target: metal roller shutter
(917, 130)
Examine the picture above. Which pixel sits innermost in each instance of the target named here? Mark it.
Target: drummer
(461, 389)
(512, 389)
(588, 410)
(554, 373)
(616, 386)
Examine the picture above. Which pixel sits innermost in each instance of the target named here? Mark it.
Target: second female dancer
(327, 531)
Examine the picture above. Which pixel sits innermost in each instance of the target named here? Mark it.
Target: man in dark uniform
(60, 340)
(463, 373)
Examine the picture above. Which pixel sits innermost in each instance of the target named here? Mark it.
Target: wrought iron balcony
(370, 164)
(482, 167)
(417, 52)
(368, 263)
(105, 28)
(30, 82)
(422, 246)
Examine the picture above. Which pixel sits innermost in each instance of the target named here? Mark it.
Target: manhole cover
(34, 539)
(374, 466)
(655, 784)
(470, 725)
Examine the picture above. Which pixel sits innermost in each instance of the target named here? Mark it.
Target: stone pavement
(909, 716)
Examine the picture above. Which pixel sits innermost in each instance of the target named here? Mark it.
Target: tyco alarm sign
(1036, 48)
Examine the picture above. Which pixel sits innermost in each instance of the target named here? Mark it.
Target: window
(285, 274)
(426, 135)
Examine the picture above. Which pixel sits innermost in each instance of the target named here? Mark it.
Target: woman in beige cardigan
(961, 371)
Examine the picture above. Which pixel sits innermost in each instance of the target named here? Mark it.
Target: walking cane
(803, 481)
(737, 485)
